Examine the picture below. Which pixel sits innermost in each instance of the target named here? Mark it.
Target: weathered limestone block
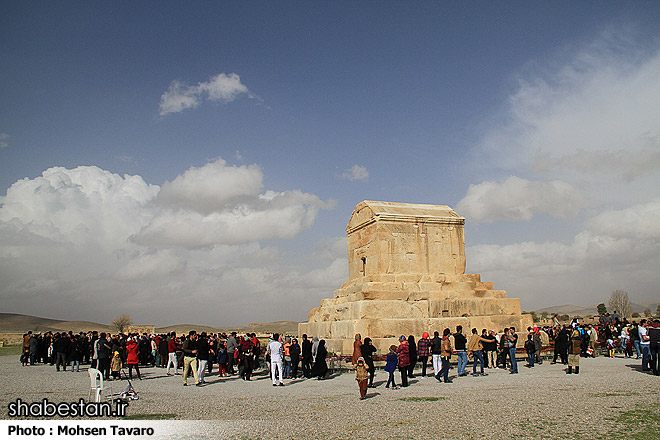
(407, 276)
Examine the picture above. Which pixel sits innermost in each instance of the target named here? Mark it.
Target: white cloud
(356, 172)
(518, 199)
(4, 138)
(587, 132)
(616, 249)
(72, 239)
(221, 88)
(212, 186)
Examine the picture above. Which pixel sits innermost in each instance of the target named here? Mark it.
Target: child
(115, 366)
(390, 367)
(610, 347)
(361, 375)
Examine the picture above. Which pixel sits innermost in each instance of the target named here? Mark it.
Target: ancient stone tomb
(406, 266)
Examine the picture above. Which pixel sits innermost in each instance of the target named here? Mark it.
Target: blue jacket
(392, 360)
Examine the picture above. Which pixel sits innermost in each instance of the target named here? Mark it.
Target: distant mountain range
(571, 309)
(15, 322)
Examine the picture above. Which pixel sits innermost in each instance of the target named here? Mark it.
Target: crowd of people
(287, 358)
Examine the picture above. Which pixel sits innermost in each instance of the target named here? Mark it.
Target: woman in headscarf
(357, 345)
(320, 368)
(423, 350)
(412, 353)
(368, 351)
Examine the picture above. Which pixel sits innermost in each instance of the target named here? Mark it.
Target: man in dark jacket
(60, 347)
(190, 358)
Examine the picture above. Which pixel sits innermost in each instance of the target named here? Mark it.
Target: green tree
(602, 309)
(636, 315)
(544, 315)
(648, 313)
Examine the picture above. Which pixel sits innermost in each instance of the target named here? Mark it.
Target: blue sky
(168, 154)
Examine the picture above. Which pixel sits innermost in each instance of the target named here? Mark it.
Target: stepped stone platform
(407, 276)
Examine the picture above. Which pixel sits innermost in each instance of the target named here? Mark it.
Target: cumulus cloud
(220, 204)
(518, 199)
(212, 186)
(4, 140)
(220, 88)
(586, 129)
(617, 248)
(72, 239)
(356, 172)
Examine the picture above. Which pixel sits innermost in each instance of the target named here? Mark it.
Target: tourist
(232, 345)
(561, 346)
(654, 346)
(412, 353)
(490, 348)
(256, 348)
(320, 368)
(593, 337)
(445, 355)
(307, 358)
(172, 347)
(436, 353)
(538, 345)
(512, 341)
(163, 351)
(626, 345)
(275, 351)
(115, 366)
(423, 350)
(73, 353)
(203, 355)
(403, 352)
(390, 366)
(474, 347)
(504, 348)
(634, 337)
(294, 351)
(574, 350)
(315, 346)
(361, 373)
(610, 347)
(222, 359)
(246, 357)
(287, 358)
(529, 347)
(25, 353)
(644, 344)
(368, 350)
(155, 356)
(460, 342)
(356, 348)
(61, 346)
(190, 358)
(133, 357)
(33, 348)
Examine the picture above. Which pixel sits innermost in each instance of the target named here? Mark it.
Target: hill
(572, 310)
(16, 322)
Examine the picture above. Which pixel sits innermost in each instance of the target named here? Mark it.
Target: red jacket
(132, 351)
(172, 345)
(404, 354)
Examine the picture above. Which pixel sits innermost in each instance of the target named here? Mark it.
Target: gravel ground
(543, 402)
